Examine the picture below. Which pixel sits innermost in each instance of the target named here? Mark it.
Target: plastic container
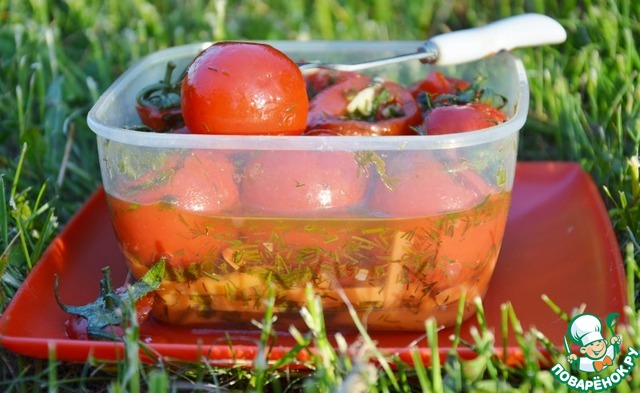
(399, 227)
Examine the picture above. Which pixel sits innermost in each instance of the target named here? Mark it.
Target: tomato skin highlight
(462, 118)
(245, 89)
(328, 110)
(295, 183)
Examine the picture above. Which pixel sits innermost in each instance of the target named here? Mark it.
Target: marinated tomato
(245, 89)
(436, 84)
(462, 118)
(466, 249)
(455, 247)
(319, 79)
(173, 224)
(443, 256)
(362, 106)
(296, 183)
(159, 105)
(197, 181)
(422, 186)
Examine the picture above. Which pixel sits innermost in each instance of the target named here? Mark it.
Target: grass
(57, 56)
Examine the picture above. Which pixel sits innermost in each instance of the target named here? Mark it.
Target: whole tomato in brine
(311, 193)
(423, 186)
(301, 183)
(181, 217)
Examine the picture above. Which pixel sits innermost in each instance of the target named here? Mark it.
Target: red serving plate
(559, 241)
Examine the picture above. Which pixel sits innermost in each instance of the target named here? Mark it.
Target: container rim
(349, 143)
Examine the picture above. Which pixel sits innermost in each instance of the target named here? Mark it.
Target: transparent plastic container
(399, 226)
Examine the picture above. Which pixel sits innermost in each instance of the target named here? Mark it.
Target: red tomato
(244, 88)
(320, 79)
(200, 181)
(436, 84)
(465, 247)
(176, 219)
(457, 248)
(462, 118)
(204, 183)
(296, 183)
(393, 115)
(148, 232)
(423, 187)
(158, 104)
(76, 327)
(160, 120)
(465, 254)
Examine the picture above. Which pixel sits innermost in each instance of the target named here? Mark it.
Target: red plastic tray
(559, 241)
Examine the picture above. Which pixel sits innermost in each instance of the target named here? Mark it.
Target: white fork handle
(506, 34)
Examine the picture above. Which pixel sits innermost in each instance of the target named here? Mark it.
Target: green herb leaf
(108, 308)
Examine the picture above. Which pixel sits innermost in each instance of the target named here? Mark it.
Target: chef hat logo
(585, 329)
